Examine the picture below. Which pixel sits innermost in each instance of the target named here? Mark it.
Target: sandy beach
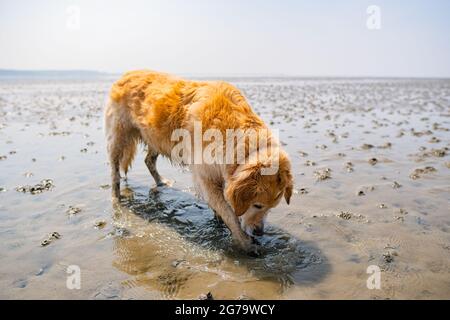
(372, 188)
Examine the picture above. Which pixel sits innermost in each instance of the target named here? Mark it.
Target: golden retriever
(148, 107)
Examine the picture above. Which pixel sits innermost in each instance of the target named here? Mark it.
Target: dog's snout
(258, 231)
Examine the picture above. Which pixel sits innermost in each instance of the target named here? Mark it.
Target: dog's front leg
(213, 194)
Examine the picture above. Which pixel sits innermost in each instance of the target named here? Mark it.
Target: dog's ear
(285, 177)
(288, 192)
(242, 201)
(240, 191)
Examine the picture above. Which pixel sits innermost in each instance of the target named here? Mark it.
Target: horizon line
(218, 74)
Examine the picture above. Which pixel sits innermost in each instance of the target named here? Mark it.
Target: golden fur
(147, 106)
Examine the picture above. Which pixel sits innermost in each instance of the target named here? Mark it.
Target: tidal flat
(371, 163)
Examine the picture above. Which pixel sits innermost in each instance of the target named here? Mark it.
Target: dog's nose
(258, 231)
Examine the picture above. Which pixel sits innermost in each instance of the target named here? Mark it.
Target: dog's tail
(122, 137)
(129, 151)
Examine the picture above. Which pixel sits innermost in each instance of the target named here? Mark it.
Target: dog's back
(140, 102)
(147, 106)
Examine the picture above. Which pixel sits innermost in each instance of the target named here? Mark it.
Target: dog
(148, 107)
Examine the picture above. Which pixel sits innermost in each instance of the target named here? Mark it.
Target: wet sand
(372, 172)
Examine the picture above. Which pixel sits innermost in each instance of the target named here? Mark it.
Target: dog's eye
(258, 206)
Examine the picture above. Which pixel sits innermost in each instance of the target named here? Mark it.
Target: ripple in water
(284, 259)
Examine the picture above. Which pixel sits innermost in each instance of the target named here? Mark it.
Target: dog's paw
(116, 202)
(249, 246)
(165, 183)
(254, 251)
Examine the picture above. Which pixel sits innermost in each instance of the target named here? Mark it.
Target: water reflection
(171, 242)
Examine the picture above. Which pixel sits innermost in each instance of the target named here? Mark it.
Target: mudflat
(372, 182)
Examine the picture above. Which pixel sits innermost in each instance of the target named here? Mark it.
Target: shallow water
(164, 243)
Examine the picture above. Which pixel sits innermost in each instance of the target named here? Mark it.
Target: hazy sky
(306, 38)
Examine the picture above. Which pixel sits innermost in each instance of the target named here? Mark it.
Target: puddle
(181, 228)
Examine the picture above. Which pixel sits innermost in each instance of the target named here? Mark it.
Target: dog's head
(252, 193)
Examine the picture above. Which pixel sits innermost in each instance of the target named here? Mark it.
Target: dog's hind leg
(115, 154)
(113, 148)
(150, 161)
(115, 178)
(122, 140)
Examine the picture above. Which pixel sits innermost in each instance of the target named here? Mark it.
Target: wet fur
(146, 106)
